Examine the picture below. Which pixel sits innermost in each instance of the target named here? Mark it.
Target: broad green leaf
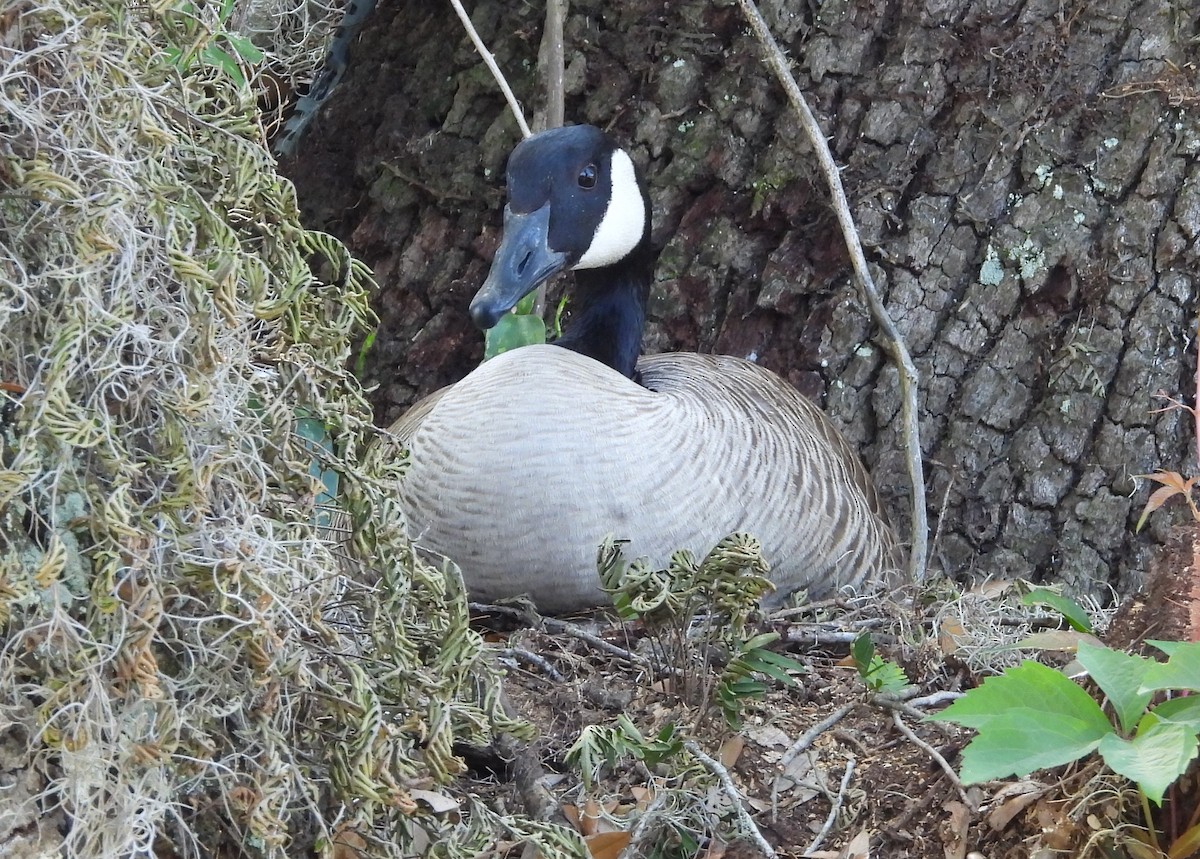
(760, 640)
(1023, 739)
(1180, 711)
(1068, 608)
(1030, 687)
(1167, 647)
(768, 663)
(861, 651)
(1119, 675)
(1154, 759)
(1180, 671)
(512, 331)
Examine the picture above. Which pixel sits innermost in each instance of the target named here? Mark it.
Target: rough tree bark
(1024, 174)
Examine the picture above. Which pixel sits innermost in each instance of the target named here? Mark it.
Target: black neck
(608, 312)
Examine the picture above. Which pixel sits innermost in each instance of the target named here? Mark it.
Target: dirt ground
(897, 801)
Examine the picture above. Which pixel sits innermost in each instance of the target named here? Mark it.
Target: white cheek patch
(624, 220)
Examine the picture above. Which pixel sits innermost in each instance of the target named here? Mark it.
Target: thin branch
(937, 756)
(908, 373)
(734, 795)
(519, 654)
(935, 699)
(645, 829)
(550, 57)
(554, 625)
(806, 740)
(833, 811)
(490, 61)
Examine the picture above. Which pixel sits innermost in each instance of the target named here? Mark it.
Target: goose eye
(587, 176)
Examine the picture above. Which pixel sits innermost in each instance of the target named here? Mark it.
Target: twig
(806, 740)
(518, 654)
(490, 62)
(554, 625)
(734, 795)
(908, 373)
(805, 634)
(810, 608)
(550, 57)
(937, 756)
(528, 774)
(935, 699)
(837, 806)
(643, 830)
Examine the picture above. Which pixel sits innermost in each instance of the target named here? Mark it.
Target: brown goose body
(519, 471)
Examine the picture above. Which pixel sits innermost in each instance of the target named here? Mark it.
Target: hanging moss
(189, 660)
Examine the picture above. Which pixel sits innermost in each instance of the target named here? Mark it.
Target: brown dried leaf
(1058, 639)
(606, 845)
(950, 633)
(1000, 816)
(731, 750)
(859, 847)
(953, 829)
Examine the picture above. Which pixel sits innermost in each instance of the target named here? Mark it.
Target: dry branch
(908, 373)
(734, 795)
(490, 62)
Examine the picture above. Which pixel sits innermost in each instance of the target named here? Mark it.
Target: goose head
(575, 202)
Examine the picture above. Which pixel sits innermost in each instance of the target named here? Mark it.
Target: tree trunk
(1025, 180)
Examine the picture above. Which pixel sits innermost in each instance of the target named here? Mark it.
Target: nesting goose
(520, 470)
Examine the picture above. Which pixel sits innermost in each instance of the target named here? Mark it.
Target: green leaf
(862, 649)
(245, 49)
(223, 60)
(760, 640)
(1120, 676)
(773, 665)
(1180, 671)
(513, 331)
(1031, 688)
(885, 676)
(360, 362)
(1024, 739)
(1154, 759)
(1068, 608)
(1180, 711)
(1167, 647)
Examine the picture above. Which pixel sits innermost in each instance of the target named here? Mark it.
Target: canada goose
(519, 471)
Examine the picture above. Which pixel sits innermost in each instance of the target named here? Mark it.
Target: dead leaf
(439, 802)
(589, 818)
(1057, 639)
(859, 847)
(950, 633)
(953, 829)
(768, 736)
(348, 844)
(606, 845)
(1013, 799)
(992, 589)
(731, 750)
(642, 796)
